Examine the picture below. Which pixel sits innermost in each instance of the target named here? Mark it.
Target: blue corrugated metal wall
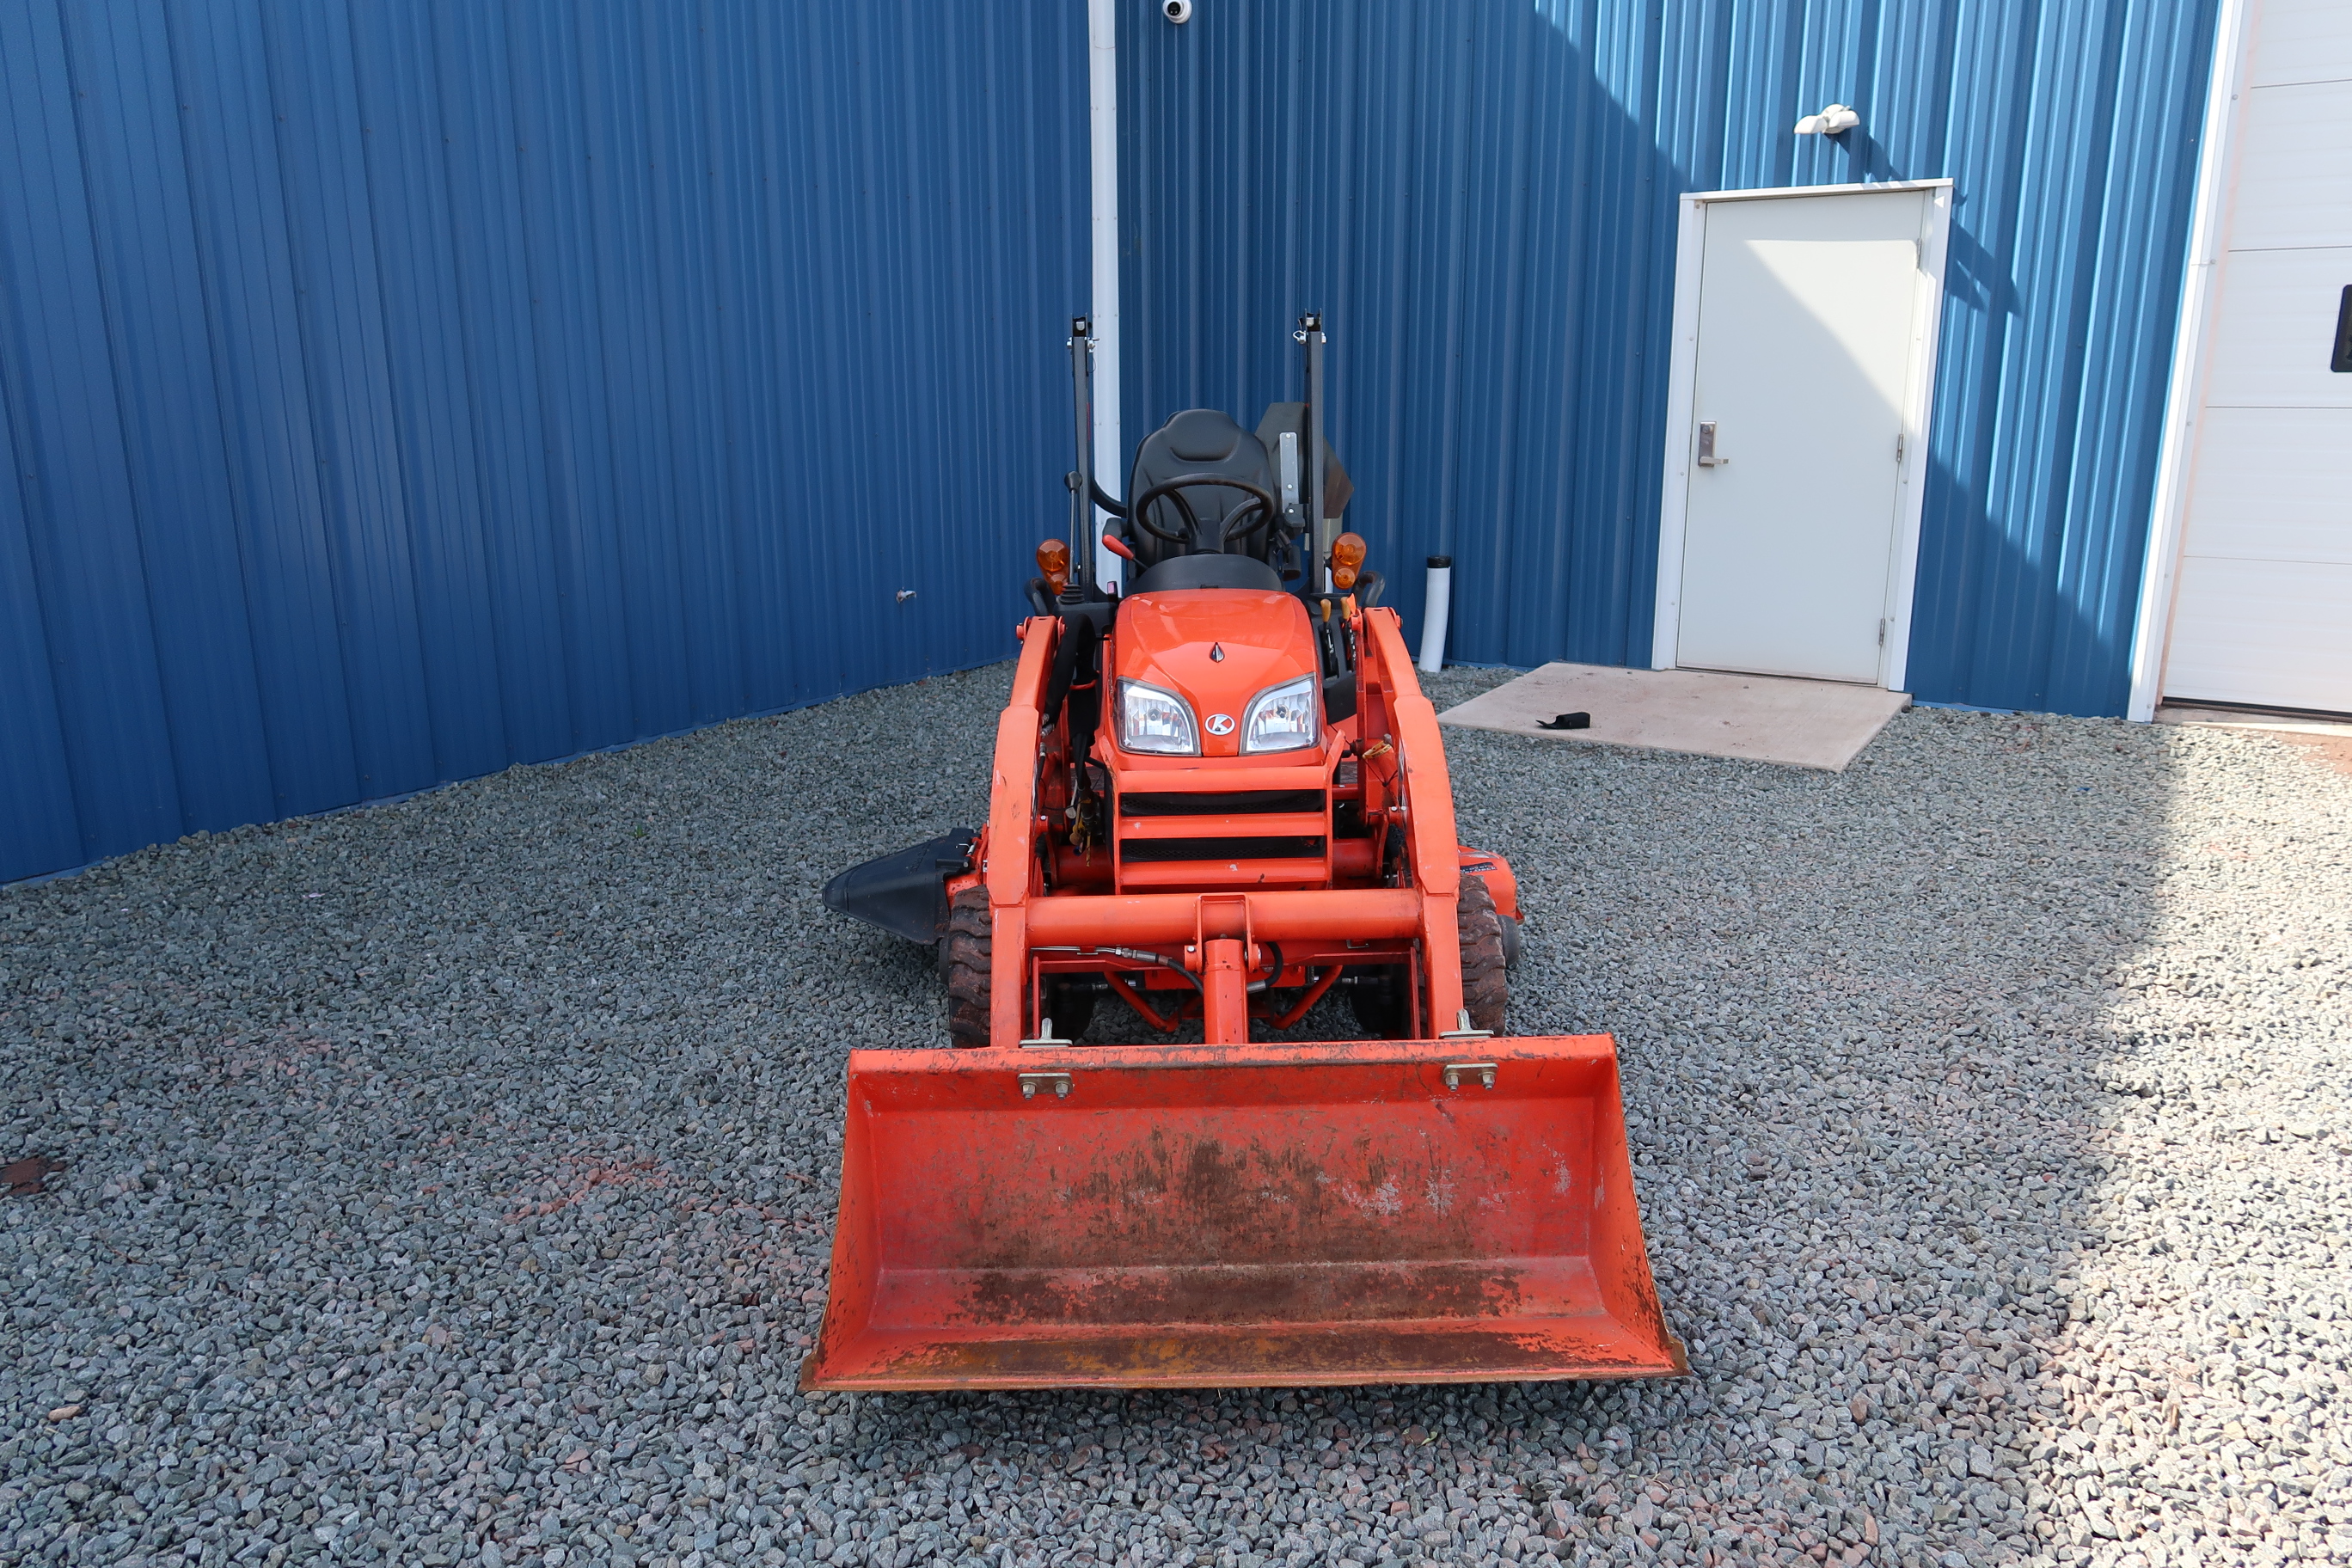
(400, 389)
(397, 391)
(1482, 196)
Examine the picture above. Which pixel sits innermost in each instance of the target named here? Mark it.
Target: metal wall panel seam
(490, 294)
(534, 377)
(35, 781)
(145, 247)
(743, 322)
(339, 307)
(73, 470)
(553, 160)
(411, 227)
(698, 321)
(243, 263)
(632, 366)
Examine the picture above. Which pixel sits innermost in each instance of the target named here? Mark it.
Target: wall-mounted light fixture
(1830, 121)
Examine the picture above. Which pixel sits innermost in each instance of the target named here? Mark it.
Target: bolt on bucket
(1222, 1216)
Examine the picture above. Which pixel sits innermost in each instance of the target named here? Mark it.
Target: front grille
(1228, 802)
(1300, 846)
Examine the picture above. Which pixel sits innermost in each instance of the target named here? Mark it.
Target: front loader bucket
(1238, 1216)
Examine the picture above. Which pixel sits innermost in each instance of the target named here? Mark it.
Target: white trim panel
(1682, 373)
(2184, 393)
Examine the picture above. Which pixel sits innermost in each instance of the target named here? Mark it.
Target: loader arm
(1427, 794)
(1010, 857)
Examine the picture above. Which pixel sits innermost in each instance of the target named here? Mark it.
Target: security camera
(1177, 11)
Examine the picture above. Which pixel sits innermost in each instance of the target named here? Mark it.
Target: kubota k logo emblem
(1221, 723)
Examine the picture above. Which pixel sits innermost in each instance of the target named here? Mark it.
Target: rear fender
(1500, 880)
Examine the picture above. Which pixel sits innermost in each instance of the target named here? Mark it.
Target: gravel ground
(452, 1181)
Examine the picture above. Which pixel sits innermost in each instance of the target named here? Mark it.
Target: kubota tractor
(1221, 797)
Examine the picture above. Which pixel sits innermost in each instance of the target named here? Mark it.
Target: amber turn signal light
(1054, 563)
(1346, 561)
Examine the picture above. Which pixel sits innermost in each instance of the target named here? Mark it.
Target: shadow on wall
(1497, 322)
(1483, 201)
(1989, 533)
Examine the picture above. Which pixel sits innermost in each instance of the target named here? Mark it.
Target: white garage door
(2263, 612)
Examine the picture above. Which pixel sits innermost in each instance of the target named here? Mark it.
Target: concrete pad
(1763, 717)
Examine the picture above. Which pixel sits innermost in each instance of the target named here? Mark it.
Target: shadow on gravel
(458, 1176)
(1868, 1079)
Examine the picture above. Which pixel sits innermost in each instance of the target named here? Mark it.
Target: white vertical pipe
(1435, 610)
(1102, 122)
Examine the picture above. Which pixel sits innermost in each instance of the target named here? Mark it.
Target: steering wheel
(1264, 509)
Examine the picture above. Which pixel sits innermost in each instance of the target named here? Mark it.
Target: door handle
(1706, 458)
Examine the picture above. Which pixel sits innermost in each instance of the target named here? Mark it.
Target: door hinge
(1898, 448)
(1882, 631)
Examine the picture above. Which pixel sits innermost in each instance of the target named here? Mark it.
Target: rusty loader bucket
(1238, 1216)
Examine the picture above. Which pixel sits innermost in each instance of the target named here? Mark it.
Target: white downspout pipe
(1102, 123)
(1435, 610)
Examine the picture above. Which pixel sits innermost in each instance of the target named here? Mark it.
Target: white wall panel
(2294, 174)
(2273, 328)
(2271, 484)
(2249, 631)
(2300, 40)
(2263, 610)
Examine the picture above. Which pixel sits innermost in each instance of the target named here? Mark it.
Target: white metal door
(1809, 322)
(2263, 614)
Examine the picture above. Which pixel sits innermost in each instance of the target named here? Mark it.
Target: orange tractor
(1221, 798)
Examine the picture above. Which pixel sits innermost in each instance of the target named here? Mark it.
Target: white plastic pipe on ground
(1434, 614)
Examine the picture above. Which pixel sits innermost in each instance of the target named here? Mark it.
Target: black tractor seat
(1200, 441)
(1208, 572)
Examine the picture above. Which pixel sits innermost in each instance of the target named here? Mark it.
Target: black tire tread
(967, 952)
(1486, 991)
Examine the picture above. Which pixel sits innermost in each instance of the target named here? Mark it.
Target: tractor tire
(964, 956)
(1485, 989)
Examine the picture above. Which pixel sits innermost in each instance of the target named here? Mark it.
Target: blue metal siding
(1482, 196)
(399, 391)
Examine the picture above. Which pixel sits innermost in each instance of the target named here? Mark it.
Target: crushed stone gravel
(452, 1181)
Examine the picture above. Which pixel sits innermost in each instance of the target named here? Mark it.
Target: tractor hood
(1216, 648)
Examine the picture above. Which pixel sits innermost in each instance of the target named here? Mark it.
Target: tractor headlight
(1151, 719)
(1281, 717)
